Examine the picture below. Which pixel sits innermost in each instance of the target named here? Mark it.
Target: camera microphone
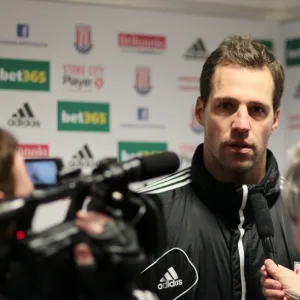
(143, 168)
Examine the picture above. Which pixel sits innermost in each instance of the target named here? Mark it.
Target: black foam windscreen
(262, 216)
(159, 164)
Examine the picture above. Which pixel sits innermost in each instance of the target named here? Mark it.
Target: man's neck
(223, 174)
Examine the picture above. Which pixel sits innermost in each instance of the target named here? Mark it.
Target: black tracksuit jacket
(214, 251)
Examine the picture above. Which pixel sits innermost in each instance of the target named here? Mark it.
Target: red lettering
(74, 69)
(95, 70)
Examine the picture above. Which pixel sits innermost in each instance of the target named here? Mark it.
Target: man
(279, 282)
(214, 250)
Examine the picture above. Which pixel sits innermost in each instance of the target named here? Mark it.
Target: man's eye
(226, 105)
(257, 110)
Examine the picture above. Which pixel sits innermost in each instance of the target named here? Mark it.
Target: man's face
(23, 185)
(238, 118)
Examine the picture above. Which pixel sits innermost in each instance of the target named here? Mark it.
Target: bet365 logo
(83, 116)
(128, 150)
(16, 74)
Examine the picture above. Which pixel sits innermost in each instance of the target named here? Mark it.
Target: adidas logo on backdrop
(24, 117)
(83, 158)
(196, 51)
(169, 280)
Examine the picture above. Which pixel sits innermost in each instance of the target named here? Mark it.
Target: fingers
(83, 255)
(273, 293)
(91, 215)
(92, 222)
(263, 271)
(92, 227)
(272, 289)
(269, 283)
(272, 269)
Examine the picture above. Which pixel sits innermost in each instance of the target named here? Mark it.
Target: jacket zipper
(240, 242)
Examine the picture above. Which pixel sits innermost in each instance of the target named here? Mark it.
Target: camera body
(137, 230)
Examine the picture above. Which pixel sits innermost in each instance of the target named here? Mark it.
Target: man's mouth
(240, 147)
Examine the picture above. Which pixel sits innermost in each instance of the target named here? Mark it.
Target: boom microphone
(264, 224)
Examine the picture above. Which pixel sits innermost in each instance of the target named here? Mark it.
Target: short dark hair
(245, 52)
(8, 148)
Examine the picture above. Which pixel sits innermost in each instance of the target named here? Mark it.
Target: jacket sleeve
(155, 240)
(169, 273)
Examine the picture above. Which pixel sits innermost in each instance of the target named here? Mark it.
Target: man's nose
(241, 122)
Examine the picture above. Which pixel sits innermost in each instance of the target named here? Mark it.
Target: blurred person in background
(279, 282)
(14, 178)
(14, 182)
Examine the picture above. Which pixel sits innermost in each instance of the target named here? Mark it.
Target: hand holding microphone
(284, 284)
(277, 281)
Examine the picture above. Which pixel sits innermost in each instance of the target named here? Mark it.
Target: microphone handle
(269, 248)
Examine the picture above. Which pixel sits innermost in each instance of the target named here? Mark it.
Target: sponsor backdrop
(95, 82)
(291, 42)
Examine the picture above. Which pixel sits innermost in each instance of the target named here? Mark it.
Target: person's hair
(8, 148)
(246, 52)
(291, 185)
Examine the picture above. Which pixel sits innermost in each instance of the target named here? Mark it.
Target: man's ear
(275, 120)
(199, 111)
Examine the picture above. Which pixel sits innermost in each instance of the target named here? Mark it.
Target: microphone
(143, 168)
(264, 224)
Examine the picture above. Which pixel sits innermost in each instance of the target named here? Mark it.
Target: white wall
(169, 108)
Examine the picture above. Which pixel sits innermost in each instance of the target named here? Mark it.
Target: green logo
(267, 43)
(16, 74)
(128, 150)
(292, 52)
(82, 116)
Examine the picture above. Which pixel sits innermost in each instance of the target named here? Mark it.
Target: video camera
(140, 229)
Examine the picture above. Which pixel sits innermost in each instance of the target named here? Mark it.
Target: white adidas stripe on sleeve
(171, 182)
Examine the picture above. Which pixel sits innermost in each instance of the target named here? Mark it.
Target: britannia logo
(142, 80)
(83, 42)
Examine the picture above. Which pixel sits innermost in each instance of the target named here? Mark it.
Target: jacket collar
(226, 198)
